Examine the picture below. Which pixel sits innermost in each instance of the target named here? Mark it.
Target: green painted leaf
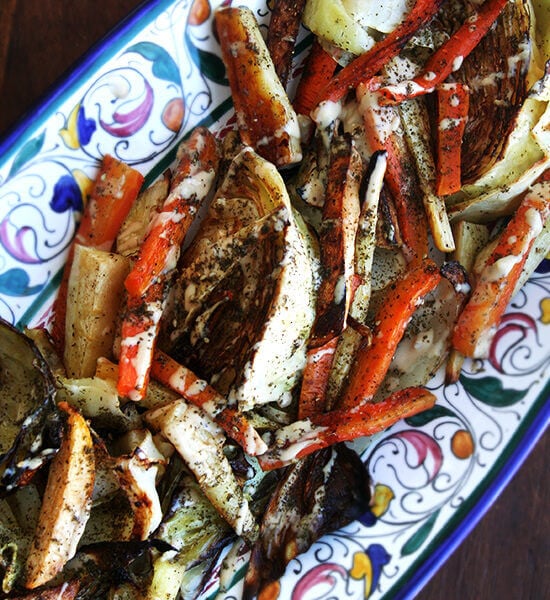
(419, 536)
(211, 65)
(16, 282)
(164, 66)
(431, 414)
(490, 391)
(27, 153)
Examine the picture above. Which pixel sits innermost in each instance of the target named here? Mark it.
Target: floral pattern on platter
(143, 95)
(137, 106)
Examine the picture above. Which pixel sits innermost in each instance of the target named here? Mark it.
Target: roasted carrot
(493, 289)
(158, 255)
(115, 188)
(198, 159)
(315, 378)
(382, 131)
(337, 248)
(368, 64)
(318, 69)
(373, 359)
(303, 437)
(452, 114)
(139, 332)
(449, 56)
(197, 391)
(284, 25)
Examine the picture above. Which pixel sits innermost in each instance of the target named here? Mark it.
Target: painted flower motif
(129, 119)
(514, 329)
(462, 444)
(332, 580)
(16, 282)
(368, 565)
(381, 499)
(425, 452)
(199, 12)
(66, 195)
(545, 311)
(78, 128)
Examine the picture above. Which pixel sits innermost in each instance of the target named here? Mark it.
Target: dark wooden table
(507, 556)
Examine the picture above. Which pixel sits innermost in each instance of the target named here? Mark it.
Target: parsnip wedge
(66, 503)
(95, 289)
(265, 117)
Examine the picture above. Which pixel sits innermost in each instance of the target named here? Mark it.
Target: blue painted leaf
(419, 536)
(211, 65)
(164, 66)
(15, 282)
(490, 391)
(66, 195)
(431, 414)
(85, 127)
(544, 266)
(27, 153)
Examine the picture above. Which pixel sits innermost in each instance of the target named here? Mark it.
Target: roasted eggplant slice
(29, 423)
(319, 494)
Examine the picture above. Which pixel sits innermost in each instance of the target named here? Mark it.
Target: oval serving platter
(136, 96)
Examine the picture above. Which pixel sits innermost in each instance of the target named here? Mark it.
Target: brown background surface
(507, 555)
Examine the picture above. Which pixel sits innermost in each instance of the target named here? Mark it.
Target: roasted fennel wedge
(244, 302)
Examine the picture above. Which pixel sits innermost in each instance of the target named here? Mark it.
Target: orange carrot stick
(197, 391)
(315, 379)
(401, 179)
(452, 114)
(158, 256)
(198, 160)
(115, 188)
(448, 57)
(318, 70)
(139, 332)
(368, 64)
(303, 437)
(373, 360)
(493, 289)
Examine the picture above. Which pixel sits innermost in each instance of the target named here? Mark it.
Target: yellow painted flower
(84, 183)
(381, 499)
(545, 311)
(69, 133)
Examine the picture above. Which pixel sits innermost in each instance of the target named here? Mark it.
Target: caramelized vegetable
(369, 64)
(158, 256)
(115, 188)
(29, 424)
(452, 114)
(266, 119)
(325, 491)
(448, 57)
(493, 289)
(66, 503)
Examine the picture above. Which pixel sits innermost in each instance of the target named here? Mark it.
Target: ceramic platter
(136, 96)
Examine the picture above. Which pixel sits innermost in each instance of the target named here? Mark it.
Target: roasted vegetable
(231, 310)
(319, 494)
(195, 532)
(66, 503)
(94, 298)
(266, 119)
(29, 422)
